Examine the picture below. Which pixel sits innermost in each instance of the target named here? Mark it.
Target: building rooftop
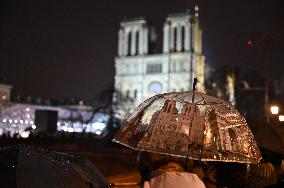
(131, 21)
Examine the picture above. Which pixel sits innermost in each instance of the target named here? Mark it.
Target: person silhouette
(163, 171)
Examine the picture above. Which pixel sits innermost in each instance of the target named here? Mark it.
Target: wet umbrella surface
(23, 167)
(192, 125)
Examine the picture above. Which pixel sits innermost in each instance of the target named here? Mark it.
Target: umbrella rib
(140, 136)
(176, 96)
(182, 100)
(202, 145)
(200, 101)
(189, 132)
(190, 112)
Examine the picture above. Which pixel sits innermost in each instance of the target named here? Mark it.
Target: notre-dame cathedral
(141, 74)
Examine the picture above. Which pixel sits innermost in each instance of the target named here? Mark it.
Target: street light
(274, 110)
(281, 118)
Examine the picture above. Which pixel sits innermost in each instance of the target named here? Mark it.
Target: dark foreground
(115, 162)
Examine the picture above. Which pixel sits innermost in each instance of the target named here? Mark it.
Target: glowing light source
(99, 125)
(281, 118)
(70, 129)
(274, 110)
(98, 132)
(22, 117)
(25, 134)
(250, 43)
(64, 128)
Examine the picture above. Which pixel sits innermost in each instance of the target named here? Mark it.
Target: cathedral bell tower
(183, 34)
(133, 38)
(141, 74)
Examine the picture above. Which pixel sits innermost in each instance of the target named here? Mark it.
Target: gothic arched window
(182, 38)
(137, 42)
(135, 94)
(129, 43)
(175, 40)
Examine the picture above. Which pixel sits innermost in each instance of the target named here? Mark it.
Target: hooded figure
(161, 171)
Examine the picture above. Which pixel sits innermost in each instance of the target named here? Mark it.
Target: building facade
(5, 93)
(141, 74)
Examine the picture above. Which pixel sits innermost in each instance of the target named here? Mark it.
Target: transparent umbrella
(26, 167)
(261, 175)
(190, 124)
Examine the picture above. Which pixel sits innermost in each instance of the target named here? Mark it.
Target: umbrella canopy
(25, 167)
(261, 175)
(192, 125)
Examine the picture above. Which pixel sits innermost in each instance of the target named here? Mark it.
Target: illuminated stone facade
(141, 74)
(5, 92)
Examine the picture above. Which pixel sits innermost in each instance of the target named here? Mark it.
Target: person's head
(196, 167)
(223, 174)
(261, 175)
(149, 162)
(210, 178)
(280, 170)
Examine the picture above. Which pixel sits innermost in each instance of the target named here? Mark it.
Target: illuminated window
(175, 40)
(129, 44)
(127, 69)
(127, 93)
(135, 93)
(155, 87)
(182, 39)
(182, 67)
(137, 42)
(3, 95)
(154, 68)
(174, 66)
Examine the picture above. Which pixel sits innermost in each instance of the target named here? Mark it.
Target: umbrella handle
(194, 84)
(194, 88)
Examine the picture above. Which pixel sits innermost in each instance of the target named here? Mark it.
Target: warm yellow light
(274, 110)
(281, 118)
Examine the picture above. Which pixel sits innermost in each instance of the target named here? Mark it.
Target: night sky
(66, 48)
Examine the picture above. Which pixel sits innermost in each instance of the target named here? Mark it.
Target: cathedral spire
(196, 9)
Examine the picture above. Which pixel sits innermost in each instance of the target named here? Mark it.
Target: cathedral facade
(141, 74)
